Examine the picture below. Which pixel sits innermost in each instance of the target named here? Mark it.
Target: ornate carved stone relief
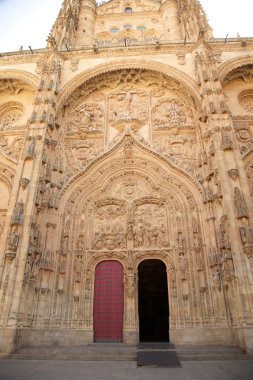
(245, 99)
(128, 107)
(243, 127)
(152, 106)
(10, 114)
(109, 227)
(11, 146)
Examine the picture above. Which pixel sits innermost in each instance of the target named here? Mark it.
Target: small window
(127, 27)
(114, 30)
(141, 28)
(128, 10)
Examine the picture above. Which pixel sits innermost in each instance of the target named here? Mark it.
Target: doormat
(158, 359)
(156, 346)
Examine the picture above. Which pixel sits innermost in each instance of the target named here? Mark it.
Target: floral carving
(245, 99)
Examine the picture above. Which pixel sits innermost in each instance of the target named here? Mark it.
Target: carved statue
(216, 280)
(246, 233)
(46, 195)
(226, 141)
(180, 240)
(80, 242)
(250, 176)
(183, 266)
(12, 245)
(128, 153)
(18, 214)
(240, 205)
(223, 235)
(233, 174)
(47, 261)
(30, 152)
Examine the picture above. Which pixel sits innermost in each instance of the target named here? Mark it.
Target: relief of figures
(11, 147)
(109, 228)
(79, 153)
(170, 113)
(181, 149)
(86, 119)
(150, 227)
(128, 108)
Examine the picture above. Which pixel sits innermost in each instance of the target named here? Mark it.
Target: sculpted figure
(139, 233)
(18, 214)
(30, 152)
(240, 205)
(46, 196)
(154, 236)
(65, 243)
(180, 240)
(250, 176)
(99, 241)
(246, 233)
(128, 153)
(183, 265)
(162, 240)
(226, 142)
(13, 240)
(80, 242)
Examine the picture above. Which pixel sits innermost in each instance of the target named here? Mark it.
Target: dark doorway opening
(153, 301)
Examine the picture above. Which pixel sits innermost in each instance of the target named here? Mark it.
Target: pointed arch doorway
(108, 306)
(153, 301)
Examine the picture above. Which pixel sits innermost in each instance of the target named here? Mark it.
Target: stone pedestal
(203, 336)
(131, 338)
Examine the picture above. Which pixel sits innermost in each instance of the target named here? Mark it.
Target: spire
(74, 24)
(193, 19)
(65, 26)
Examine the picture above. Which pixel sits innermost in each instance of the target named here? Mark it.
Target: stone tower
(126, 180)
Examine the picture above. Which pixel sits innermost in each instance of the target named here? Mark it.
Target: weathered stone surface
(133, 148)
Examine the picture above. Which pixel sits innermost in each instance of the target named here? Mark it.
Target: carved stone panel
(109, 227)
(128, 107)
(150, 226)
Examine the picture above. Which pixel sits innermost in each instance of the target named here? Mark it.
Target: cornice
(164, 47)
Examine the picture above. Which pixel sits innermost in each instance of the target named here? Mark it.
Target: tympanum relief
(153, 107)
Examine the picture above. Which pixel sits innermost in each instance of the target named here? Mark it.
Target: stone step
(200, 353)
(121, 352)
(79, 353)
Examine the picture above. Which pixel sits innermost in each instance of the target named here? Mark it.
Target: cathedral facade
(126, 180)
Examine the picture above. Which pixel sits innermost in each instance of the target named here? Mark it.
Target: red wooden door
(108, 302)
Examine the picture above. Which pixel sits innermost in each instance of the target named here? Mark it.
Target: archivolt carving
(119, 145)
(232, 65)
(7, 176)
(22, 76)
(185, 83)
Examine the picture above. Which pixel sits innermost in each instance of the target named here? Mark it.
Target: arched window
(128, 10)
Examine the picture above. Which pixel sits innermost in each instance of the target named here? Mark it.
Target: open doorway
(153, 301)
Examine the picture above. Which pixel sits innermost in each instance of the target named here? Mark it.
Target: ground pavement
(83, 370)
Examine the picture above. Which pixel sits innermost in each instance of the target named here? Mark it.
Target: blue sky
(28, 22)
